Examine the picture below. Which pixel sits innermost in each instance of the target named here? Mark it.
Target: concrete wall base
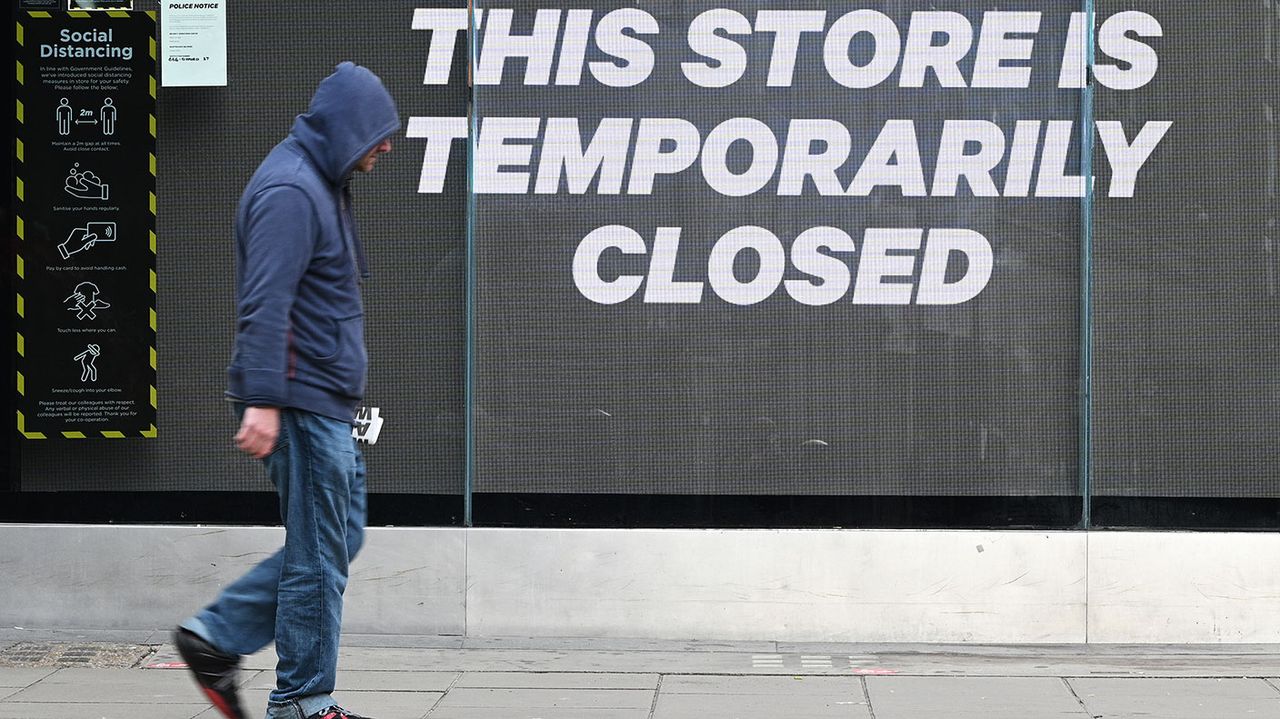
(1006, 587)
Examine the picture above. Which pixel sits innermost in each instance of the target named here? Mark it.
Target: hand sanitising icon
(85, 185)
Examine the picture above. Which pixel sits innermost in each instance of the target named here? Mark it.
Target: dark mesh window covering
(1187, 328)
(777, 397)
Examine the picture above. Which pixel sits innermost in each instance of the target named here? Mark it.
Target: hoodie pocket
(345, 364)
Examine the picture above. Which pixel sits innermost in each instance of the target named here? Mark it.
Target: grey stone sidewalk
(118, 675)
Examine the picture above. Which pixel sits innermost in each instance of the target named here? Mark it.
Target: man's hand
(258, 431)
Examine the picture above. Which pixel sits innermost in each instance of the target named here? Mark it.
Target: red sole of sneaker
(221, 704)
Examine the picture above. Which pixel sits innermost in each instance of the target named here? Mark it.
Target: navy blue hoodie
(300, 330)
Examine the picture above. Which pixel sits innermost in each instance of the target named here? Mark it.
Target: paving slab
(972, 698)
(110, 686)
(246, 677)
(1047, 651)
(20, 710)
(396, 640)
(752, 686)
(1178, 699)
(617, 644)
(375, 681)
(1027, 663)
(538, 713)
(761, 706)
(22, 677)
(555, 680)
(383, 705)
(459, 698)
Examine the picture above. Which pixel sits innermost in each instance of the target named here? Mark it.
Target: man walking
(296, 377)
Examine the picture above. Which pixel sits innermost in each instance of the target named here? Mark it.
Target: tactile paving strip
(61, 654)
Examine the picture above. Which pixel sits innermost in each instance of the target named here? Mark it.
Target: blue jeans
(295, 597)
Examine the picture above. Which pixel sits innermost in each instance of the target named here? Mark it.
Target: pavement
(137, 675)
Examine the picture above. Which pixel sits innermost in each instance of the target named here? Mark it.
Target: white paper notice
(195, 43)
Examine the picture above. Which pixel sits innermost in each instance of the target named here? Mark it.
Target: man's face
(367, 162)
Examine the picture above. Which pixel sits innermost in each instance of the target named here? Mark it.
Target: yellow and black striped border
(20, 228)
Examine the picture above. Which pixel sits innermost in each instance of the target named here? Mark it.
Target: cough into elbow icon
(88, 372)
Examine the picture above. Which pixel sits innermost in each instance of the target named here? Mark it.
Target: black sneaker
(216, 673)
(336, 712)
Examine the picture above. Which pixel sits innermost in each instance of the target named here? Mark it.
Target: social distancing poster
(84, 171)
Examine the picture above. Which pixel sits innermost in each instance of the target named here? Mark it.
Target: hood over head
(350, 114)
